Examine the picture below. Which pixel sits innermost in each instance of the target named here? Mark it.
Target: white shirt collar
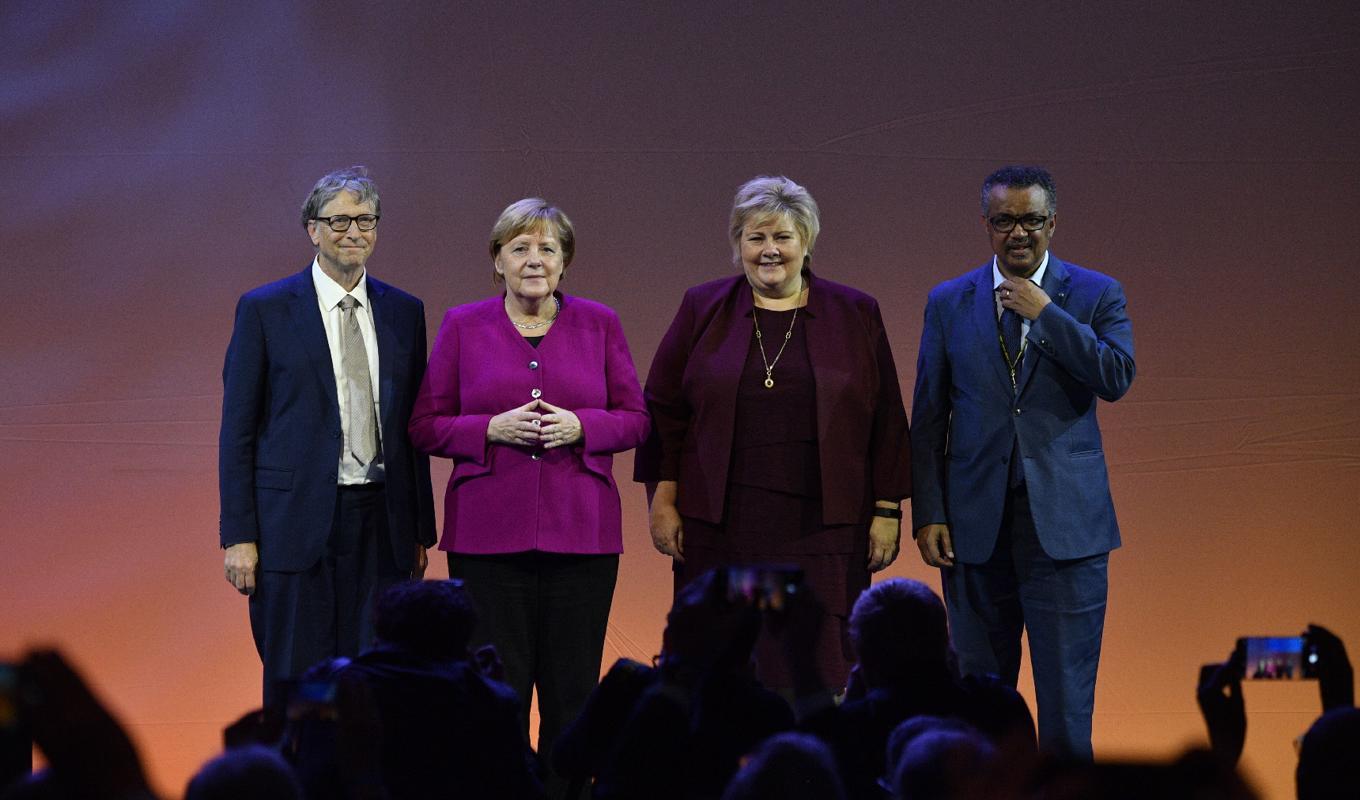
(1037, 277)
(331, 293)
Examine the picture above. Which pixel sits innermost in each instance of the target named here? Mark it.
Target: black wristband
(890, 513)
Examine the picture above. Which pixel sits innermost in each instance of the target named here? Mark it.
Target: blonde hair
(531, 214)
(769, 196)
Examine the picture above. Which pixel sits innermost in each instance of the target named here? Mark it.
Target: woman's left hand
(885, 535)
(559, 427)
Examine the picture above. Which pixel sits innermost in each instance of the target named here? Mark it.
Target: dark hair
(1327, 764)
(788, 765)
(350, 179)
(254, 771)
(433, 618)
(941, 760)
(899, 631)
(1021, 176)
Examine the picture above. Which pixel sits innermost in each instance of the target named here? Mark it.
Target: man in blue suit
(1011, 497)
(324, 501)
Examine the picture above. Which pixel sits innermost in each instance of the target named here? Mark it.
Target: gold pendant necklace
(760, 341)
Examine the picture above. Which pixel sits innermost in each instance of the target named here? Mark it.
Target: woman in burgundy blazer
(530, 393)
(779, 430)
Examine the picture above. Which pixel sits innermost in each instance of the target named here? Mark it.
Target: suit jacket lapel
(984, 320)
(1057, 284)
(387, 337)
(733, 343)
(306, 314)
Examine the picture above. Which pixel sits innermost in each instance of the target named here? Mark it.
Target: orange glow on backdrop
(154, 159)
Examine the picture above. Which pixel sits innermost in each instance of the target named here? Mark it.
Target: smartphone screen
(766, 586)
(9, 697)
(1278, 658)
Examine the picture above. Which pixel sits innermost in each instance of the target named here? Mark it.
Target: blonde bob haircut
(532, 215)
(767, 197)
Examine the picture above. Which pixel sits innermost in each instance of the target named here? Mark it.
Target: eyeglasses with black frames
(340, 222)
(1005, 223)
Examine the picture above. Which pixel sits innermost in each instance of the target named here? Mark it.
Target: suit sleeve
(244, 375)
(425, 526)
(623, 424)
(437, 426)
(890, 442)
(1100, 355)
(659, 457)
(930, 414)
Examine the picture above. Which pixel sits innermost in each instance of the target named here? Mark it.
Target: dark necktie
(363, 429)
(1010, 334)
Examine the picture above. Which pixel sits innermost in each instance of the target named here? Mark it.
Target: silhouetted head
(932, 757)
(900, 634)
(255, 771)
(1329, 758)
(788, 766)
(432, 618)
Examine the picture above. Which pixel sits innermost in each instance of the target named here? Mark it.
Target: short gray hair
(769, 196)
(350, 179)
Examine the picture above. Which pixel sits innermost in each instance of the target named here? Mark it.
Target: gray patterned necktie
(363, 428)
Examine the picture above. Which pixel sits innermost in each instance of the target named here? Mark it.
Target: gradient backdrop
(154, 156)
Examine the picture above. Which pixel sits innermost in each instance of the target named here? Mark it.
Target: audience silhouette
(419, 716)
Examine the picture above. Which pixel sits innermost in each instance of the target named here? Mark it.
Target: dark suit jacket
(691, 393)
(280, 442)
(965, 415)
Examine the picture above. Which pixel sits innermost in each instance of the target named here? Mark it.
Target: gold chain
(769, 365)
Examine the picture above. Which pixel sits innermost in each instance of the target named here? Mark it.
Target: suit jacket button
(533, 365)
(536, 393)
(1017, 412)
(536, 456)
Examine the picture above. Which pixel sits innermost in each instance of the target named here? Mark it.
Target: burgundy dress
(773, 509)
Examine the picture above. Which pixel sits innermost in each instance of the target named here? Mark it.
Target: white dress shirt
(328, 296)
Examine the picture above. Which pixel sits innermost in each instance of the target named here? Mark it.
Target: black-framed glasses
(340, 222)
(1005, 223)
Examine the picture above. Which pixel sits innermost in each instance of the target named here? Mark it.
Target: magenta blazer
(507, 499)
(862, 438)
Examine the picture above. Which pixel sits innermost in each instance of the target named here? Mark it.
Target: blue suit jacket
(280, 442)
(964, 413)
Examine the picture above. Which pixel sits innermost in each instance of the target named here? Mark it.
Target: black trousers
(546, 613)
(302, 618)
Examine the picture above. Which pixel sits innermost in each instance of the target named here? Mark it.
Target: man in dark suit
(1011, 496)
(324, 501)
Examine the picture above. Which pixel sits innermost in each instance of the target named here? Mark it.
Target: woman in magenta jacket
(531, 393)
(780, 434)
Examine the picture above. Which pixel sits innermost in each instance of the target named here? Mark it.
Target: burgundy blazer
(509, 499)
(691, 392)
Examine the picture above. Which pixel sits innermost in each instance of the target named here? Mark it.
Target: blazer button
(533, 365)
(536, 393)
(536, 456)
(1017, 412)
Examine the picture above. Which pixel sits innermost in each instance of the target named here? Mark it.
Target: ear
(314, 233)
(1052, 223)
